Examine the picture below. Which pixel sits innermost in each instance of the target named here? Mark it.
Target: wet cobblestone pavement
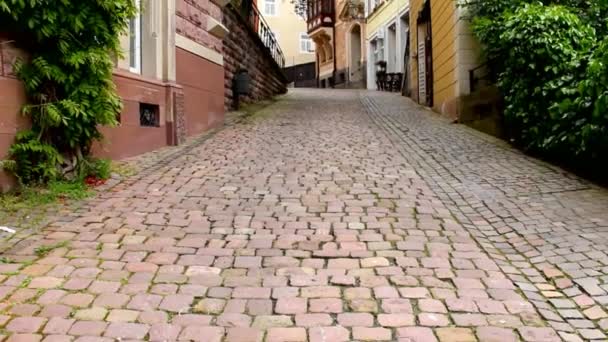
(330, 216)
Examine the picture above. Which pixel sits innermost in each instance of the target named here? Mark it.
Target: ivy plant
(550, 60)
(543, 52)
(67, 79)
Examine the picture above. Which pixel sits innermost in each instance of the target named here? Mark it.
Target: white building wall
(371, 72)
(399, 46)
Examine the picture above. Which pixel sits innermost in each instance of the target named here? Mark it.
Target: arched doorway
(354, 60)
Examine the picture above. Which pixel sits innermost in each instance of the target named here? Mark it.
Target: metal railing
(482, 75)
(259, 25)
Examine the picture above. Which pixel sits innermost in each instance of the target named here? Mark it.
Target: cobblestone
(334, 216)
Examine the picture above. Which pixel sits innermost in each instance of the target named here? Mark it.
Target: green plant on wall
(67, 78)
(549, 60)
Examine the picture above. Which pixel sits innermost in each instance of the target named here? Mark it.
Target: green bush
(583, 131)
(34, 160)
(487, 21)
(68, 79)
(98, 168)
(552, 72)
(543, 51)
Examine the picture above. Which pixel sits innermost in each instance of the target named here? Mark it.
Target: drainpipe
(334, 47)
(318, 69)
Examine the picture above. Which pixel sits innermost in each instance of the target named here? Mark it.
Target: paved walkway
(331, 216)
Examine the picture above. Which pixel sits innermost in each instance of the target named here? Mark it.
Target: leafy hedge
(68, 80)
(552, 70)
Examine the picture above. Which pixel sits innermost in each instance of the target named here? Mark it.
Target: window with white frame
(306, 44)
(373, 4)
(378, 49)
(135, 41)
(271, 7)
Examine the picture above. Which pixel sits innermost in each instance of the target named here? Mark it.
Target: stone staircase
(482, 110)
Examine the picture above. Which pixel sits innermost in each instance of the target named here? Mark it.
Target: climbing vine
(548, 59)
(67, 79)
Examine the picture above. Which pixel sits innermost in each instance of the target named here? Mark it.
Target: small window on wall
(135, 41)
(149, 115)
(270, 7)
(306, 44)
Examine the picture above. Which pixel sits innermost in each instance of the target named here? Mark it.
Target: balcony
(321, 13)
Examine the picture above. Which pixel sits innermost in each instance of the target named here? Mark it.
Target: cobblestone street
(330, 216)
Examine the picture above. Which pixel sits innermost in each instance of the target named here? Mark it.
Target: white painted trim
(221, 3)
(391, 22)
(216, 28)
(386, 23)
(404, 12)
(135, 65)
(371, 75)
(326, 73)
(198, 49)
(457, 56)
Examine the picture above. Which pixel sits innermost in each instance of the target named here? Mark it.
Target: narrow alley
(332, 215)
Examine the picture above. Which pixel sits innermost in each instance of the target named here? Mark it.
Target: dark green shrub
(98, 168)
(34, 160)
(544, 49)
(552, 72)
(583, 128)
(68, 79)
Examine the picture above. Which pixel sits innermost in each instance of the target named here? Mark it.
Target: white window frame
(275, 4)
(135, 63)
(307, 41)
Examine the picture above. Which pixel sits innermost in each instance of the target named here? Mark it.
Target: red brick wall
(12, 98)
(129, 138)
(191, 21)
(203, 85)
(202, 80)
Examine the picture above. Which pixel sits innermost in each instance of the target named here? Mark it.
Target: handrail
(473, 79)
(261, 27)
(482, 72)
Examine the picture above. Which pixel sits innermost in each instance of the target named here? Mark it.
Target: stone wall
(243, 49)
(12, 98)
(191, 21)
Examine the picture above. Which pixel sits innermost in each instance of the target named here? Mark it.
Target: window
(306, 44)
(135, 42)
(149, 115)
(270, 7)
(378, 49)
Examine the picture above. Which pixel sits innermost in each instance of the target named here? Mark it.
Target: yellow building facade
(442, 51)
(290, 30)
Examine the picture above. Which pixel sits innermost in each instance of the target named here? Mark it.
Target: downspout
(318, 69)
(334, 47)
